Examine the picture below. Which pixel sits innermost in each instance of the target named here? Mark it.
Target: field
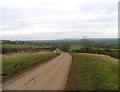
(105, 48)
(21, 46)
(13, 63)
(74, 47)
(11, 46)
(25, 47)
(108, 47)
(96, 46)
(93, 72)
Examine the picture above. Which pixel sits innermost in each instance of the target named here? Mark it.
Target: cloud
(37, 19)
(28, 31)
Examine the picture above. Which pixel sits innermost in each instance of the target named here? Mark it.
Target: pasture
(93, 72)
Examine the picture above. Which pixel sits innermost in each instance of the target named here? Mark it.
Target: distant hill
(72, 41)
(105, 39)
(68, 41)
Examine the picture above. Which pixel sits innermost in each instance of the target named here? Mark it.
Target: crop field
(13, 63)
(75, 47)
(22, 46)
(18, 47)
(93, 72)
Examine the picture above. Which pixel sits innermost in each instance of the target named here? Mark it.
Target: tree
(64, 47)
(86, 44)
(54, 47)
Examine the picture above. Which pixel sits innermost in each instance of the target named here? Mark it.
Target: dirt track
(51, 75)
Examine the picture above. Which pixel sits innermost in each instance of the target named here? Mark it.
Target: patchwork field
(93, 72)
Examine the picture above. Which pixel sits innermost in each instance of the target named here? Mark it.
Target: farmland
(96, 46)
(93, 72)
(75, 47)
(106, 48)
(93, 66)
(25, 47)
(93, 46)
(13, 63)
(11, 46)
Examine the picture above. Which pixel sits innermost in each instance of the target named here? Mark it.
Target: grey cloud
(48, 15)
(99, 7)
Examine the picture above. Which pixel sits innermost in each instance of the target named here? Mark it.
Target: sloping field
(13, 63)
(93, 72)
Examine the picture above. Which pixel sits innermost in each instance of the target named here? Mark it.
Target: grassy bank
(93, 72)
(15, 62)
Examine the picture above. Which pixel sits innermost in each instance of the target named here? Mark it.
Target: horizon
(56, 39)
(47, 20)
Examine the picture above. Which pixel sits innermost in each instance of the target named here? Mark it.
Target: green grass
(46, 46)
(75, 47)
(24, 46)
(13, 63)
(20, 46)
(93, 72)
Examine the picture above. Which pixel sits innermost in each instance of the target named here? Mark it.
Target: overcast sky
(58, 19)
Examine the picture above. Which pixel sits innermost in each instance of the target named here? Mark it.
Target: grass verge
(93, 72)
(13, 63)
